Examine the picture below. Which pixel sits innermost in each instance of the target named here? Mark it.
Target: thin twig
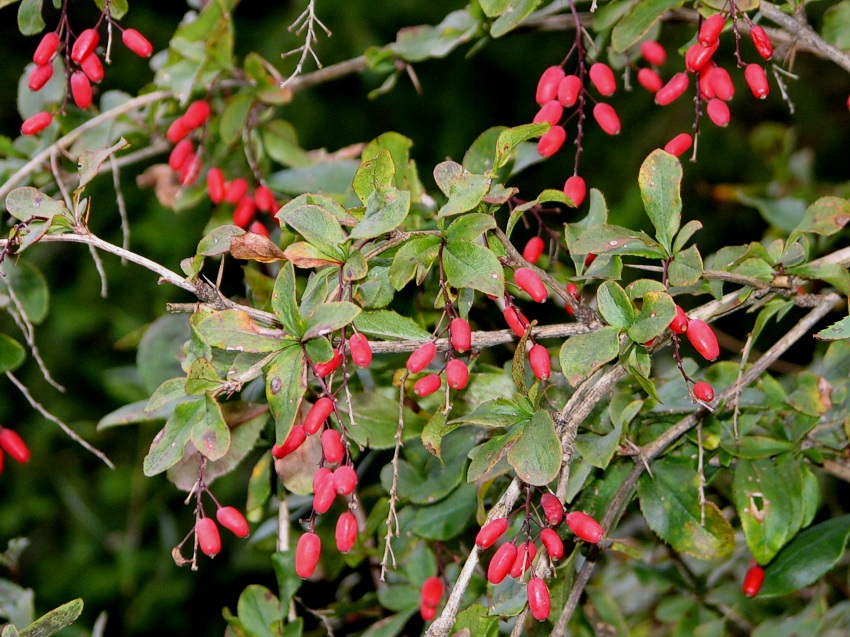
(307, 20)
(122, 205)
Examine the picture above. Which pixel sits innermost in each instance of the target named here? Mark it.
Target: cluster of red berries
(83, 59)
(704, 340)
(12, 444)
(457, 372)
(207, 531)
(430, 596)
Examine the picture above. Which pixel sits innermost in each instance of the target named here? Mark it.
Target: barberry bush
(509, 317)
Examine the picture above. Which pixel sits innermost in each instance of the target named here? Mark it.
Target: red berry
(190, 169)
(762, 42)
(208, 538)
(650, 80)
(244, 212)
(232, 520)
(14, 445)
(703, 391)
(46, 48)
(318, 414)
(569, 89)
(235, 190)
(461, 335)
(177, 130)
(698, 56)
(2, 456)
(324, 495)
(524, 557)
(553, 543)
(603, 79)
(653, 53)
(757, 80)
(344, 479)
(40, 76)
(553, 510)
(679, 144)
(710, 30)
(550, 113)
(257, 227)
(590, 258)
(848, 103)
(551, 141)
(361, 351)
(500, 565)
(427, 385)
(753, 580)
(346, 532)
(264, 199)
(528, 281)
(673, 90)
(421, 357)
(428, 613)
(718, 112)
(92, 67)
(326, 367)
(584, 526)
(457, 374)
(215, 183)
(575, 189)
(705, 88)
(607, 118)
(679, 324)
(490, 532)
(307, 554)
(137, 43)
(547, 86)
(538, 599)
(81, 89)
(320, 476)
(196, 115)
(36, 123)
(515, 320)
(294, 440)
(84, 45)
(179, 153)
(703, 339)
(572, 288)
(538, 356)
(432, 591)
(721, 84)
(533, 249)
(332, 446)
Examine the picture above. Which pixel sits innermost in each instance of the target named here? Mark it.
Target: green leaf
(447, 518)
(373, 175)
(469, 227)
(234, 330)
(328, 177)
(657, 311)
(30, 21)
(260, 611)
(685, 234)
(432, 434)
(606, 238)
(598, 450)
(398, 146)
(414, 259)
(385, 210)
(281, 143)
(288, 582)
(286, 383)
(26, 202)
(12, 354)
(583, 354)
(476, 620)
(536, 456)
(660, 179)
(355, 268)
(422, 477)
(512, 17)
(807, 557)
(614, 305)
(826, 216)
(55, 620)
(510, 138)
(753, 447)
(390, 325)
(481, 155)
(376, 421)
(670, 503)
(202, 377)
(639, 20)
(686, 268)
(836, 25)
(465, 190)
(837, 331)
(317, 225)
(486, 456)
(415, 44)
(328, 318)
(217, 242)
(494, 8)
(90, 161)
(785, 213)
(234, 116)
(284, 303)
(469, 265)
(833, 273)
(260, 490)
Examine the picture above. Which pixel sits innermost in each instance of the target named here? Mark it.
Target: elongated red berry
(576, 189)
(710, 30)
(346, 532)
(36, 123)
(550, 112)
(215, 181)
(233, 520)
(344, 479)
(603, 79)
(84, 45)
(590, 258)
(235, 190)
(679, 144)
(428, 613)
(569, 88)
(264, 198)
(179, 153)
(553, 510)
(81, 89)
(361, 351)
(757, 80)
(244, 212)
(526, 552)
(457, 374)
(679, 324)
(2, 457)
(421, 357)
(650, 80)
(137, 43)
(516, 320)
(703, 339)
(698, 56)
(14, 445)
(718, 112)
(318, 414)
(584, 527)
(538, 599)
(721, 84)
(332, 446)
(307, 554)
(703, 391)
(177, 130)
(461, 334)
(673, 90)
(320, 475)
(326, 367)
(607, 118)
(190, 169)
(432, 591)
(501, 563)
(547, 86)
(753, 580)
(533, 249)
(490, 532)
(257, 227)
(528, 281)
(92, 67)
(46, 49)
(538, 357)
(39, 76)
(427, 385)
(553, 543)
(762, 42)
(208, 538)
(198, 113)
(653, 53)
(551, 141)
(294, 440)
(324, 495)
(706, 90)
